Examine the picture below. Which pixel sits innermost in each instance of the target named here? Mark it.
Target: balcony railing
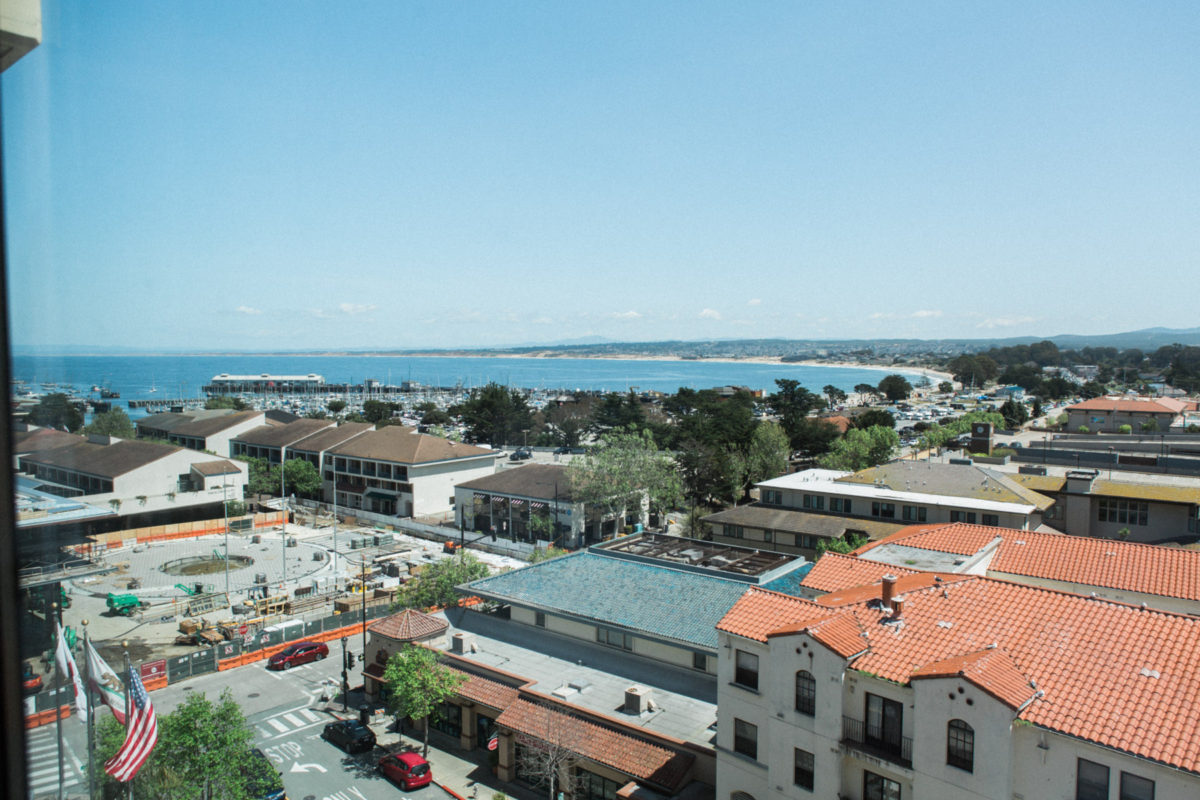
(881, 743)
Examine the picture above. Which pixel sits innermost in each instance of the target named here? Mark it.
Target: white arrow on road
(298, 767)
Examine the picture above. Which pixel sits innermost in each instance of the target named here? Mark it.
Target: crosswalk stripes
(286, 722)
(41, 759)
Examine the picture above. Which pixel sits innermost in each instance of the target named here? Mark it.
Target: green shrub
(1125, 429)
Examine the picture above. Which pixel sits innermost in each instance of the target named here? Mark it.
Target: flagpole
(58, 693)
(128, 701)
(91, 710)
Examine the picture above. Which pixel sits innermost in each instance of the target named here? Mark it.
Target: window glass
(746, 670)
(803, 769)
(806, 693)
(877, 787)
(745, 738)
(960, 745)
(1135, 787)
(1091, 781)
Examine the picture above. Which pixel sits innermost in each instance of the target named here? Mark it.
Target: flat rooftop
(592, 676)
(719, 558)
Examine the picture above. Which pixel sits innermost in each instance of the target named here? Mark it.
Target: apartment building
(211, 429)
(395, 471)
(1108, 414)
(794, 512)
(938, 686)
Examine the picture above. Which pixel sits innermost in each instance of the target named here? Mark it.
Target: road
(287, 713)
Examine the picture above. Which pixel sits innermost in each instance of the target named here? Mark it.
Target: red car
(407, 769)
(298, 653)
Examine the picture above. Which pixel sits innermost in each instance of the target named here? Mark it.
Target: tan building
(1108, 414)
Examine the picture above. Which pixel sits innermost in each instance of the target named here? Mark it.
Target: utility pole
(56, 615)
(283, 505)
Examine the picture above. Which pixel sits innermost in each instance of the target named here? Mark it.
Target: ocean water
(183, 376)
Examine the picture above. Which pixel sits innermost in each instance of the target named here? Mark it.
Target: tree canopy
(418, 684)
(301, 477)
(895, 387)
(622, 466)
(433, 586)
(792, 403)
(494, 414)
(861, 448)
(226, 401)
(114, 422)
(203, 752)
(57, 411)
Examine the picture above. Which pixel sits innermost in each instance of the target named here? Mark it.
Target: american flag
(140, 734)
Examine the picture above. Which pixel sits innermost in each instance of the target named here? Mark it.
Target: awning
(374, 494)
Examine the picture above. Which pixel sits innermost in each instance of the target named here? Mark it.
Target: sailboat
(152, 387)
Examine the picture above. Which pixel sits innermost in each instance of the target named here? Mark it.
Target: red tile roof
(409, 625)
(1161, 406)
(1126, 566)
(904, 583)
(1118, 675)
(991, 669)
(841, 633)
(835, 571)
(604, 745)
(486, 691)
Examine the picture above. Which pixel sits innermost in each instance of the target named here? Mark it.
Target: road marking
(292, 718)
(277, 725)
(298, 767)
(309, 715)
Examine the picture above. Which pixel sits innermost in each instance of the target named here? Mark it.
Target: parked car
(521, 454)
(298, 653)
(407, 769)
(265, 781)
(350, 735)
(31, 683)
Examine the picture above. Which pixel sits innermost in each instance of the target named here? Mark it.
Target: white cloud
(319, 313)
(925, 313)
(543, 321)
(709, 313)
(1004, 322)
(625, 315)
(248, 310)
(757, 301)
(356, 308)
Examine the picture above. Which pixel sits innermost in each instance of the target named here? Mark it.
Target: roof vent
(1149, 673)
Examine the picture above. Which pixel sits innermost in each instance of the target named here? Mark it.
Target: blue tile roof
(658, 600)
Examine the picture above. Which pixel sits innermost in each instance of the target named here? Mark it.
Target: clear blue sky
(401, 174)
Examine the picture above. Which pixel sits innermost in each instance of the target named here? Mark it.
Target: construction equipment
(125, 604)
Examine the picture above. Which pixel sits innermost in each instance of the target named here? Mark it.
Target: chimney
(897, 607)
(889, 590)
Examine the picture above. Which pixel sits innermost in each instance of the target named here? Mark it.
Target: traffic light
(349, 660)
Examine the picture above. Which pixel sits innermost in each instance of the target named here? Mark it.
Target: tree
(226, 401)
(57, 411)
(1036, 411)
(114, 422)
(895, 387)
(622, 467)
(433, 586)
(301, 477)
(974, 371)
(376, 411)
(845, 544)
(767, 456)
(814, 436)
(493, 414)
(1149, 426)
(235, 508)
(873, 417)
(617, 411)
(792, 403)
(865, 390)
(1015, 414)
(336, 406)
(263, 478)
(540, 554)
(945, 387)
(548, 755)
(418, 684)
(834, 395)
(436, 416)
(860, 449)
(203, 753)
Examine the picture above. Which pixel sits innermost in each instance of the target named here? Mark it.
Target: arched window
(960, 745)
(806, 693)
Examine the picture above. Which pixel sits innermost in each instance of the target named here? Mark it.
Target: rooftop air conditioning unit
(637, 699)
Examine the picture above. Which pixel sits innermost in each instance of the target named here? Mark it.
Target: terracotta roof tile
(834, 571)
(904, 583)
(1127, 566)
(626, 752)
(841, 633)
(485, 691)
(1103, 667)
(1161, 406)
(409, 625)
(991, 669)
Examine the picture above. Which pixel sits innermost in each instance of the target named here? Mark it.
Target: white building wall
(936, 702)
(220, 442)
(158, 482)
(1044, 767)
(433, 484)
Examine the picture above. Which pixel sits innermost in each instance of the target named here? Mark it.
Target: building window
(877, 787)
(991, 519)
(963, 516)
(746, 670)
(614, 638)
(1091, 781)
(1135, 787)
(1125, 512)
(733, 531)
(803, 769)
(806, 693)
(767, 536)
(773, 497)
(914, 513)
(960, 745)
(1193, 519)
(700, 662)
(539, 619)
(806, 541)
(745, 738)
(885, 510)
(814, 501)
(840, 505)
(590, 786)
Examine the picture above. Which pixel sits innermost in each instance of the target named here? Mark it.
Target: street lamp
(345, 677)
(225, 510)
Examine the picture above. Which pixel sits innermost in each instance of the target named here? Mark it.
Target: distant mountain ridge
(1147, 339)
